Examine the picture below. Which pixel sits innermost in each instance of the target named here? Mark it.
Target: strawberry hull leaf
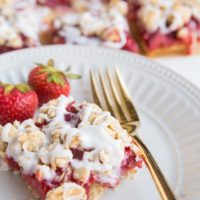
(23, 88)
(8, 88)
(56, 78)
(73, 76)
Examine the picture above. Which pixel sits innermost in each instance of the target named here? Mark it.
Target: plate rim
(146, 62)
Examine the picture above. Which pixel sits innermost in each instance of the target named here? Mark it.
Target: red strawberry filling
(158, 40)
(26, 44)
(131, 44)
(129, 161)
(41, 187)
(53, 3)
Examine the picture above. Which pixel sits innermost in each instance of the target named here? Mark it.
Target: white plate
(187, 66)
(167, 104)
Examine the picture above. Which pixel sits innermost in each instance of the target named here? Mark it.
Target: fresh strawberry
(49, 82)
(17, 102)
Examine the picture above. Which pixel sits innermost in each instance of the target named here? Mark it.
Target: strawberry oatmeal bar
(69, 151)
(165, 27)
(21, 22)
(29, 23)
(94, 23)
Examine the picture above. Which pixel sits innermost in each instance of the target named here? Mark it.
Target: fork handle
(158, 177)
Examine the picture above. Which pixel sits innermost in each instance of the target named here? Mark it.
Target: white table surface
(188, 67)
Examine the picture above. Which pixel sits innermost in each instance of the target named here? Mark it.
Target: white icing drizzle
(47, 172)
(112, 178)
(61, 152)
(89, 27)
(22, 4)
(86, 114)
(44, 155)
(61, 108)
(58, 107)
(27, 160)
(95, 137)
(4, 136)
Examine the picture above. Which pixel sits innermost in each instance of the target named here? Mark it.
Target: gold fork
(111, 94)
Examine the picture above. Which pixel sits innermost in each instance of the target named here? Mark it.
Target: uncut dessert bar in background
(31, 23)
(94, 23)
(69, 151)
(20, 24)
(165, 27)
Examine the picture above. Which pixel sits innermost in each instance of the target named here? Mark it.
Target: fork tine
(108, 99)
(116, 95)
(104, 102)
(113, 88)
(127, 98)
(95, 92)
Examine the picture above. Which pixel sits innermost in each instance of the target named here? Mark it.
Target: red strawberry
(17, 102)
(49, 82)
